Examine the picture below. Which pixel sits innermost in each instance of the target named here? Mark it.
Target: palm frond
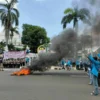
(16, 11)
(16, 31)
(84, 15)
(2, 10)
(84, 12)
(3, 22)
(66, 19)
(3, 5)
(3, 18)
(63, 19)
(7, 1)
(14, 19)
(2, 15)
(12, 2)
(68, 11)
(64, 25)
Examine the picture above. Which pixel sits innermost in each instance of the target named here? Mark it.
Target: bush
(11, 47)
(19, 49)
(2, 45)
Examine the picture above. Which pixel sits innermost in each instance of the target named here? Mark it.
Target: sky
(44, 13)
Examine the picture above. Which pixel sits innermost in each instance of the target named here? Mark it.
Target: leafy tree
(8, 16)
(13, 30)
(33, 36)
(2, 45)
(75, 15)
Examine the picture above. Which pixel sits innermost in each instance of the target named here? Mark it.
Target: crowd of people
(13, 63)
(92, 66)
(80, 65)
(66, 64)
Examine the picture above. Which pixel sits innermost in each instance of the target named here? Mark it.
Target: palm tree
(75, 15)
(13, 30)
(8, 16)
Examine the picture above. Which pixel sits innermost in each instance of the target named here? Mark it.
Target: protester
(90, 72)
(95, 71)
(77, 65)
(27, 60)
(81, 65)
(1, 66)
(69, 65)
(63, 63)
(86, 66)
(14, 63)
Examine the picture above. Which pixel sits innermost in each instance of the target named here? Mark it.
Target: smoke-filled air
(66, 44)
(62, 46)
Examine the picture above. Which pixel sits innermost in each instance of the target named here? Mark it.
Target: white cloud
(3, 1)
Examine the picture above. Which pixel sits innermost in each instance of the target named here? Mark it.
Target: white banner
(14, 54)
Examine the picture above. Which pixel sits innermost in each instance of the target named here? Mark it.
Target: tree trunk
(7, 36)
(11, 39)
(76, 30)
(76, 27)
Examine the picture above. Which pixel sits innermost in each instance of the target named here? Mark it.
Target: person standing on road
(90, 73)
(77, 65)
(95, 69)
(69, 65)
(63, 63)
(1, 65)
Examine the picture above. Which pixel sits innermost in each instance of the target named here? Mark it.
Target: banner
(14, 54)
(41, 49)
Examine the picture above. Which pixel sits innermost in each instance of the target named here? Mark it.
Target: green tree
(33, 36)
(13, 30)
(75, 15)
(2, 45)
(8, 16)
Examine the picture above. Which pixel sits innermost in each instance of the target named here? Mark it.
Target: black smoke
(62, 46)
(94, 7)
(93, 25)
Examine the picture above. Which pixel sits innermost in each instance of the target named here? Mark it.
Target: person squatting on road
(63, 63)
(95, 71)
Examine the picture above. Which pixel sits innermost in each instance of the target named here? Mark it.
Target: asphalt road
(70, 86)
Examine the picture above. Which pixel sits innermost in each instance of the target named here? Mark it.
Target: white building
(16, 39)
